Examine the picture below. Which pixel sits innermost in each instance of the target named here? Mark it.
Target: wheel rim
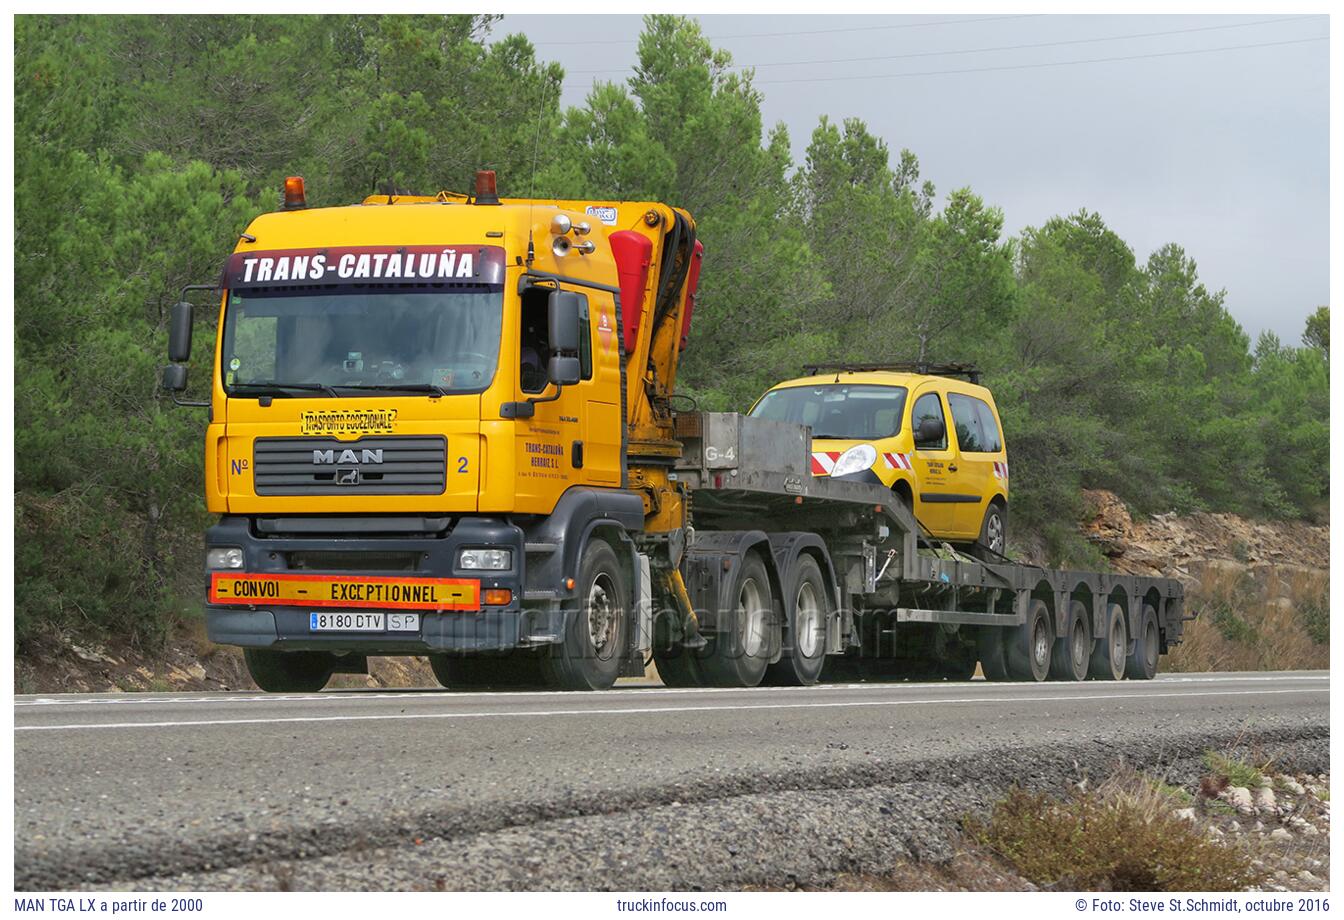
(1117, 640)
(752, 611)
(1150, 644)
(807, 621)
(1041, 642)
(1080, 646)
(603, 616)
(994, 531)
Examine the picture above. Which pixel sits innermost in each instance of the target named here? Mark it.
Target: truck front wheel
(595, 640)
(289, 672)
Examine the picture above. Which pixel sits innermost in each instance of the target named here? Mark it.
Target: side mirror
(562, 314)
(179, 332)
(931, 431)
(175, 378)
(563, 371)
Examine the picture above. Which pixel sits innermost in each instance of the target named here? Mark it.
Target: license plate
(358, 621)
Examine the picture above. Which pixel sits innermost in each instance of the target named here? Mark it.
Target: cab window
(534, 353)
(928, 406)
(973, 435)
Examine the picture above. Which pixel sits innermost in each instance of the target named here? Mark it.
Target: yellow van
(930, 433)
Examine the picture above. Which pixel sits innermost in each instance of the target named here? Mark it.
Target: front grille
(337, 561)
(387, 465)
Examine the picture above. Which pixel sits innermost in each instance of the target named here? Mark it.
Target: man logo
(348, 456)
(348, 477)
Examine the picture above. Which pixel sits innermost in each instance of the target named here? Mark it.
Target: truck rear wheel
(1142, 662)
(1073, 650)
(1029, 645)
(739, 649)
(800, 665)
(993, 654)
(289, 672)
(595, 640)
(1108, 654)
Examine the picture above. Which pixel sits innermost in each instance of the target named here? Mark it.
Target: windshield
(393, 338)
(839, 411)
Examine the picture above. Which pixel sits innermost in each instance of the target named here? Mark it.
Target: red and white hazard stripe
(1001, 469)
(898, 461)
(823, 461)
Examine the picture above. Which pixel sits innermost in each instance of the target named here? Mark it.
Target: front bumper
(427, 555)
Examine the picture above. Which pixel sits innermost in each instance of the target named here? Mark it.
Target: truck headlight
(224, 557)
(485, 559)
(858, 458)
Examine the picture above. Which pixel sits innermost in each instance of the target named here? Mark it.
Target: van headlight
(858, 458)
(491, 559)
(224, 557)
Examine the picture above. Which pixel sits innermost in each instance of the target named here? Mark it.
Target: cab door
(974, 463)
(935, 493)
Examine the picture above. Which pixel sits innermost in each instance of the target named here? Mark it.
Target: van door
(975, 462)
(935, 502)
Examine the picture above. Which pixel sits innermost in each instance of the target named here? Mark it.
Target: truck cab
(930, 433)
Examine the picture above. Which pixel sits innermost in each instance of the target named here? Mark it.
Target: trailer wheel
(958, 665)
(805, 653)
(595, 640)
(993, 654)
(739, 649)
(1073, 650)
(1029, 645)
(1108, 654)
(1142, 662)
(455, 672)
(289, 672)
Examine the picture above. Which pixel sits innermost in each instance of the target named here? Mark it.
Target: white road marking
(644, 710)
(214, 697)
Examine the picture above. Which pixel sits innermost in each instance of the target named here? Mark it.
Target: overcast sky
(1224, 152)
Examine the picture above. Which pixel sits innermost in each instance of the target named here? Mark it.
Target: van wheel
(1073, 650)
(739, 649)
(993, 541)
(1029, 645)
(802, 659)
(1108, 654)
(1142, 662)
(289, 672)
(595, 640)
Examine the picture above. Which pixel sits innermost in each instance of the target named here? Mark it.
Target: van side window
(928, 406)
(990, 428)
(968, 413)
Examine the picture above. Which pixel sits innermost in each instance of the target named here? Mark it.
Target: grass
(1236, 770)
(1123, 836)
(1276, 619)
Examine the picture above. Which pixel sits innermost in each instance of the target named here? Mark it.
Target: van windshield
(393, 338)
(851, 412)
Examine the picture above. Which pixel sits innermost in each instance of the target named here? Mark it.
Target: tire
(993, 654)
(1073, 650)
(1029, 645)
(993, 540)
(597, 629)
(739, 649)
(1108, 652)
(958, 666)
(1142, 662)
(678, 667)
(805, 652)
(289, 672)
(517, 672)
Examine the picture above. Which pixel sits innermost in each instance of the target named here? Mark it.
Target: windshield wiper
(410, 387)
(281, 387)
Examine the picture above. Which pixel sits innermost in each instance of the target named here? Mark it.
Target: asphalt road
(640, 787)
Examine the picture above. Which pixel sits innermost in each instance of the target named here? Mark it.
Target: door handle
(951, 467)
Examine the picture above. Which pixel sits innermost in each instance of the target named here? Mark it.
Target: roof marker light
(485, 187)
(294, 194)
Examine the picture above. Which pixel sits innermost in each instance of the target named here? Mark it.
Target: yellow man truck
(445, 426)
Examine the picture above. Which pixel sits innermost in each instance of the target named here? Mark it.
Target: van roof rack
(968, 371)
